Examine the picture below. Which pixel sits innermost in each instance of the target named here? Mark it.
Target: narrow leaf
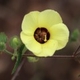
(19, 58)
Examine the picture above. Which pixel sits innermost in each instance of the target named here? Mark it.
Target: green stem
(8, 52)
(15, 52)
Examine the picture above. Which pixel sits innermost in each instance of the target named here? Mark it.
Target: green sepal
(3, 37)
(15, 42)
(19, 58)
(32, 59)
(74, 35)
(2, 46)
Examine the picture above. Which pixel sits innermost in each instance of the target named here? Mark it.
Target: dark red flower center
(41, 35)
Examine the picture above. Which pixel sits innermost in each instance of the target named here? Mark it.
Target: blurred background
(11, 16)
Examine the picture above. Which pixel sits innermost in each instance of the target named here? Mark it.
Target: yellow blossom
(44, 32)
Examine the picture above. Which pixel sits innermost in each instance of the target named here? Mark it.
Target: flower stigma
(41, 35)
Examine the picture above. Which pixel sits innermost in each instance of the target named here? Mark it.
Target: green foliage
(15, 42)
(74, 35)
(32, 59)
(3, 37)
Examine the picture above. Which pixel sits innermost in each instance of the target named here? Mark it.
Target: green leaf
(15, 42)
(32, 59)
(74, 36)
(19, 58)
(3, 37)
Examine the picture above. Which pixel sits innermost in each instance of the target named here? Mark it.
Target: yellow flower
(44, 32)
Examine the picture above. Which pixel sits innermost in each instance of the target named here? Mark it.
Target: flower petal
(30, 22)
(30, 43)
(47, 18)
(48, 49)
(60, 33)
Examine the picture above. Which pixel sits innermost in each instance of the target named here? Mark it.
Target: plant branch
(18, 69)
(54, 56)
(8, 52)
(76, 51)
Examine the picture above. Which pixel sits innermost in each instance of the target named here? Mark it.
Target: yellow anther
(45, 38)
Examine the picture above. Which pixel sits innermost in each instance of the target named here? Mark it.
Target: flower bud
(75, 35)
(13, 57)
(3, 37)
(32, 59)
(2, 46)
(15, 42)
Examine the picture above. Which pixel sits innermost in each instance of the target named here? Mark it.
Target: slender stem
(15, 52)
(54, 56)
(18, 69)
(8, 52)
(76, 51)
